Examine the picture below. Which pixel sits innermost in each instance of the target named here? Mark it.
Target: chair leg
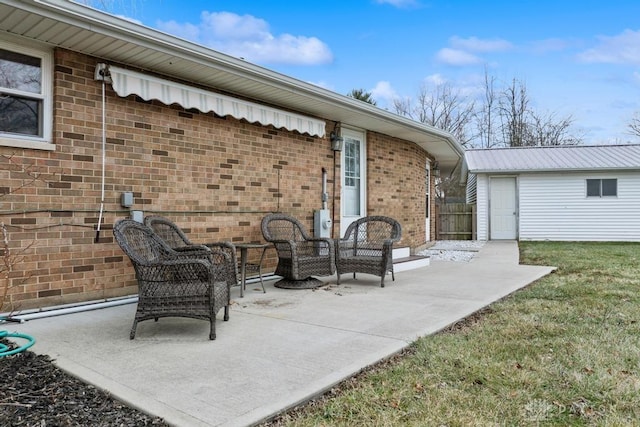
(262, 283)
(212, 331)
(132, 334)
(260, 270)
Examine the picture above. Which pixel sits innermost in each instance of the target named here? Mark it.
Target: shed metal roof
(554, 158)
(69, 25)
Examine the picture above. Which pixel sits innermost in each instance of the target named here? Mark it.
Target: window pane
(352, 177)
(20, 115)
(609, 187)
(427, 215)
(427, 189)
(593, 188)
(20, 72)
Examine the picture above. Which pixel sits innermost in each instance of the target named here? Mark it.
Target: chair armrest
(192, 248)
(192, 251)
(221, 246)
(227, 248)
(310, 246)
(228, 261)
(177, 270)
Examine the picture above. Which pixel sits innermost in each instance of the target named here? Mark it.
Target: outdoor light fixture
(436, 169)
(336, 141)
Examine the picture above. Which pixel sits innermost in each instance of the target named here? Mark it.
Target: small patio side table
(247, 267)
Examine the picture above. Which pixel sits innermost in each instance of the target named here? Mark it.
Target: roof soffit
(82, 29)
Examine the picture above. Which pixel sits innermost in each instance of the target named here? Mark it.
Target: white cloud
(435, 79)
(475, 44)
(462, 51)
(384, 92)
(457, 57)
(249, 37)
(621, 49)
(551, 45)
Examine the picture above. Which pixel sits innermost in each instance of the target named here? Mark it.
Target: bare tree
(486, 113)
(521, 126)
(547, 129)
(513, 107)
(441, 107)
(634, 125)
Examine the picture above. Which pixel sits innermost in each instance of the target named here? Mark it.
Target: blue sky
(579, 58)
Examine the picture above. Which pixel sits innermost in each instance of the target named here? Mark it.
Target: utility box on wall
(322, 223)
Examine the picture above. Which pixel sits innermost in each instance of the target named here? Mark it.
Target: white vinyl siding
(482, 206)
(472, 188)
(554, 206)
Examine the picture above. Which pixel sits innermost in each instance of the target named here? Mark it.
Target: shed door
(503, 211)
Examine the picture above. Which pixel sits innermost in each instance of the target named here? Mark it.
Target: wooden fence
(455, 221)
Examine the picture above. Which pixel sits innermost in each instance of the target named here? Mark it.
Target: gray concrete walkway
(278, 349)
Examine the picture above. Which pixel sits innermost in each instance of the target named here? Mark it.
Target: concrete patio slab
(279, 348)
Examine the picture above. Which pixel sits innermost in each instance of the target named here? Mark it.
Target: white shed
(561, 193)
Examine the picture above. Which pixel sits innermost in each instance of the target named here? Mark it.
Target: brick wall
(396, 184)
(215, 177)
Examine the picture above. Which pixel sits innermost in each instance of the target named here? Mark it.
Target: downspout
(325, 196)
(102, 74)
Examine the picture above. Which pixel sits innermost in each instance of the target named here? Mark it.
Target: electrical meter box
(321, 223)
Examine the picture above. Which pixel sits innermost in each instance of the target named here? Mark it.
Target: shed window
(602, 187)
(25, 94)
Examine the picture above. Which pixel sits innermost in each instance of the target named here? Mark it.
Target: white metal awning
(126, 82)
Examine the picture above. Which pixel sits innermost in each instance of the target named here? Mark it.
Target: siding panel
(482, 207)
(555, 207)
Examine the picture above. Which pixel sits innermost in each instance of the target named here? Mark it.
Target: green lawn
(564, 351)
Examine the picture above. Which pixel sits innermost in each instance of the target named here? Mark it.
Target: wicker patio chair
(178, 241)
(367, 247)
(170, 283)
(300, 256)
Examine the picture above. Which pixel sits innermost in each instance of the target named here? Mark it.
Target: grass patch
(564, 351)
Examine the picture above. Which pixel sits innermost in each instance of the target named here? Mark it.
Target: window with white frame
(25, 94)
(602, 187)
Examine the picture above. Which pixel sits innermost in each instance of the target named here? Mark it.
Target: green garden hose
(5, 349)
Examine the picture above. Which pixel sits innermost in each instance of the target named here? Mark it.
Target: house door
(353, 178)
(503, 208)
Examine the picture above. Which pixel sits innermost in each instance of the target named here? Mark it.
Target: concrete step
(410, 262)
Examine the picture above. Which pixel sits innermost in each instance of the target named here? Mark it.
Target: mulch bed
(35, 393)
